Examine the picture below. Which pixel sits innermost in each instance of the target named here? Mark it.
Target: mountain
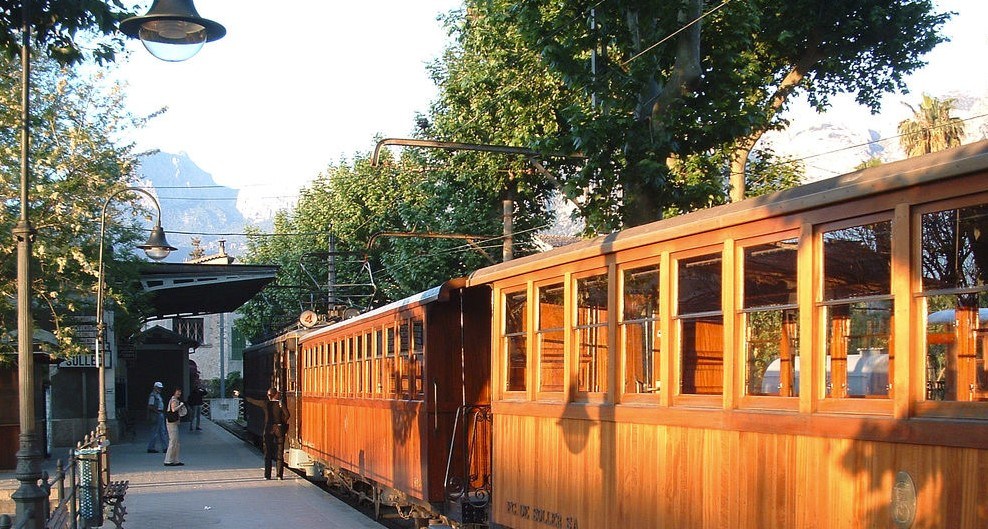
(193, 205)
(833, 143)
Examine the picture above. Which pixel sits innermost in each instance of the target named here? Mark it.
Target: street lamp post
(172, 26)
(156, 248)
(28, 496)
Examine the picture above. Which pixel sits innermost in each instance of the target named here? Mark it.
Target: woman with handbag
(173, 415)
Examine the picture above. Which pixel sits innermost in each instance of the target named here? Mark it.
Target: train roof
(859, 184)
(280, 337)
(437, 293)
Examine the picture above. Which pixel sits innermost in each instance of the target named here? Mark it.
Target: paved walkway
(221, 485)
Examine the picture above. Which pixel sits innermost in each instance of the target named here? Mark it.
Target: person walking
(275, 426)
(195, 407)
(175, 411)
(156, 409)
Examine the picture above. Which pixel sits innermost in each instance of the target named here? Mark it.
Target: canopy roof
(180, 289)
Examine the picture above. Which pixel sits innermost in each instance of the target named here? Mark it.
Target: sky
(293, 87)
(287, 93)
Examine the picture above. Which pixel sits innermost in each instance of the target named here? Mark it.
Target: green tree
(669, 117)
(76, 162)
(68, 32)
(932, 128)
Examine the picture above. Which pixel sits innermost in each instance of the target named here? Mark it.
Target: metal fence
(77, 487)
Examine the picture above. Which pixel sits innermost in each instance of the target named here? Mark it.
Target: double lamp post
(172, 30)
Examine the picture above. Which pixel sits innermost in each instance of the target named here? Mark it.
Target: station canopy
(182, 289)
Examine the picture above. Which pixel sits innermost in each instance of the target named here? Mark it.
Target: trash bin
(89, 469)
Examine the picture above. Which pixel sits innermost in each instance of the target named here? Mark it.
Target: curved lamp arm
(156, 248)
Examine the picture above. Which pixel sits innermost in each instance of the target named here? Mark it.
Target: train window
(770, 318)
(417, 366)
(701, 324)
(550, 341)
(379, 362)
(640, 329)
(591, 332)
(390, 367)
(955, 288)
(403, 351)
(368, 366)
(362, 373)
(516, 340)
(858, 305)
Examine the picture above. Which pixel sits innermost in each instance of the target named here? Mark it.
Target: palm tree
(931, 128)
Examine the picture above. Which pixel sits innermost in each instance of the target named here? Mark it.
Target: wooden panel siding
(697, 478)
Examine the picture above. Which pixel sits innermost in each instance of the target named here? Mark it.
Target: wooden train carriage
(273, 363)
(381, 392)
(814, 358)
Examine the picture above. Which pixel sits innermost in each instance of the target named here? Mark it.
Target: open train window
(857, 301)
(515, 340)
(640, 330)
(770, 318)
(550, 337)
(592, 309)
(955, 294)
(700, 324)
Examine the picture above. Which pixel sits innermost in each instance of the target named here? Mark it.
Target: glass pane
(591, 300)
(551, 311)
(857, 261)
(641, 293)
(641, 329)
(699, 284)
(955, 248)
(702, 345)
(641, 349)
(517, 361)
(593, 359)
(956, 339)
(858, 337)
(772, 347)
(515, 325)
(551, 307)
(551, 349)
(770, 274)
(516, 313)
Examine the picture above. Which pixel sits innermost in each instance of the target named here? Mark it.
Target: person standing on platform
(174, 412)
(275, 426)
(156, 410)
(195, 407)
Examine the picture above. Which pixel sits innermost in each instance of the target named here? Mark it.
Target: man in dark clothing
(275, 426)
(195, 407)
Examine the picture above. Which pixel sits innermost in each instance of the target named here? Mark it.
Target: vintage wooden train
(814, 358)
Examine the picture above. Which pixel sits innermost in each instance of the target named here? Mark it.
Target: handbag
(171, 416)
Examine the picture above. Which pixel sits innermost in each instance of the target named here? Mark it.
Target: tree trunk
(743, 146)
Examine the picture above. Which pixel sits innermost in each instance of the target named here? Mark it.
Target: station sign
(85, 360)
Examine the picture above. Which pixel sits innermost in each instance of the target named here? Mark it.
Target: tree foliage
(932, 127)
(651, 114)
(68, 31)
(76, 161)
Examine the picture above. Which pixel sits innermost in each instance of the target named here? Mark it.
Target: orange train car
(394, 403)
(813, 358)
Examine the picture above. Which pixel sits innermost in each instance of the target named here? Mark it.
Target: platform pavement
(221, 485)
